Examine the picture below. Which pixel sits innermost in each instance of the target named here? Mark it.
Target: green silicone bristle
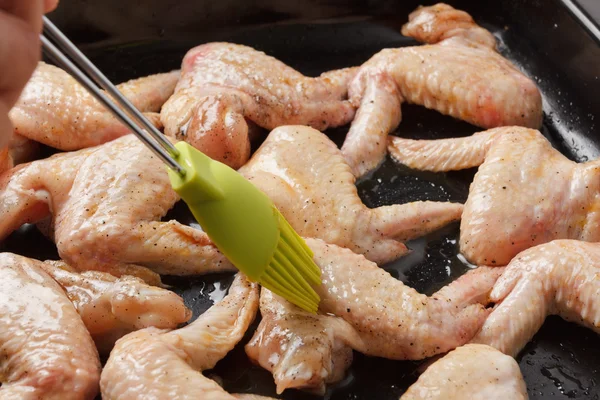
(292, 269)
(304, 262)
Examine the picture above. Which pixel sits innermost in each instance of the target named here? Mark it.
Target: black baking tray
(553, 41)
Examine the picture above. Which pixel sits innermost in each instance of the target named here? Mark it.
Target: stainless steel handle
(80, 67)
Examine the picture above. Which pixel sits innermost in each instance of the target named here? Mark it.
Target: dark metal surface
(592, 8)
(587, 12)
(541, 36)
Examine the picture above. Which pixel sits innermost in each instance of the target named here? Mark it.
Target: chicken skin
(160, 364)
(226, 89)
(305, 175)
(46, 351)
(112, 307)
(6, 161)
(56, 110)
(458, 73)
(525, 192)
(23, 149)
(106, 203)
(363, 308)
(302, 350)
(561, 278)
(473, 371)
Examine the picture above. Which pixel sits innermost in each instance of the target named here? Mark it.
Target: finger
(29, 11)
(50, 5)
(19, 55)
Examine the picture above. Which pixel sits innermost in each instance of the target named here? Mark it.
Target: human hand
(20, 26)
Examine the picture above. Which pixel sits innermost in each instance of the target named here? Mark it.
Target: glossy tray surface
(542, 37)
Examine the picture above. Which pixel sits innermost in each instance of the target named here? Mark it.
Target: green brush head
(246, 227)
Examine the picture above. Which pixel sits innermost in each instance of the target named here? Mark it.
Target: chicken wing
(153, 363)
(305, 175)
(224, 85)
(459, 73)
(112, 307)
(106, 203)
(525, 192)
(56, 110)
(46, 350)
(473, 371)
(561, 277)
(365, 309)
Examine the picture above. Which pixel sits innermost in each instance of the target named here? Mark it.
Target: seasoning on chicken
(365, 309)
(525, 192)
(46, 351)
(226, 89)
(561, 278)
(112, 307)
(154, 363)
(305, 175)
(458, 73)
(106, 203)
(474, 372)
(56, 110)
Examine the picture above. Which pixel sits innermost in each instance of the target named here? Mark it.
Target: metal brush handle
(79, 66)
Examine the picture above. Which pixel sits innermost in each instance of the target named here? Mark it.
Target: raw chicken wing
(106, 203)
(158, 364)
(56, 110)
(474, 372)
(459, 73)
(305, 175)
(363, 308)
(46, 351)
(561, 277)
(227, 88)
(112, 307)
(525, 192)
